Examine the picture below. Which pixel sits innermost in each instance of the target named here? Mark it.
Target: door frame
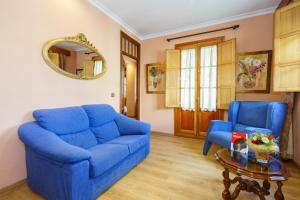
(132, 49)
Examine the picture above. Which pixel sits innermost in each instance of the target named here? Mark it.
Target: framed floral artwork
(156, 78)
(253, 72)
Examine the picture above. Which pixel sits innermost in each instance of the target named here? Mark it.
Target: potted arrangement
(264, 145)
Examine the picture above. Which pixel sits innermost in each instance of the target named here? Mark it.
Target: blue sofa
(76, 153)
(247, 117)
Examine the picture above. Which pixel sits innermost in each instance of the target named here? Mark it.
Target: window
(187, 86)
(208, 79)
(97, 67)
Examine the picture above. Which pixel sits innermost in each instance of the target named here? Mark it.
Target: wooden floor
(174, 170)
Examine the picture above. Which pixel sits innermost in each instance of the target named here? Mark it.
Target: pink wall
(27, 83)
(254, 34)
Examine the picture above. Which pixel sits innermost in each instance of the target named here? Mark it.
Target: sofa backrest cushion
(101, 117)
(99, 114)
(106, 132)
(71, 124)
(253, 113)
(84, 139)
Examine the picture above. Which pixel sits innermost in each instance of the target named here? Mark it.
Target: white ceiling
(153, 18)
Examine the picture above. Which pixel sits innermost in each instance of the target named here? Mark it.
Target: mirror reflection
(74, 57)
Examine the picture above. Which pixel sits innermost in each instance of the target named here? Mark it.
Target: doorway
(130, 76)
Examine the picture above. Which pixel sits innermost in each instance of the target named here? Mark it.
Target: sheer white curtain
(188, 63)
(208, 80)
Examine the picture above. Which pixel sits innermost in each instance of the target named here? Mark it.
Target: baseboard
(12, 187)
(163, 133)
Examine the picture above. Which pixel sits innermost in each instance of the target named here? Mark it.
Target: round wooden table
(242, 166)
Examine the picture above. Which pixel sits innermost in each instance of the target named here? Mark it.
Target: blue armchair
(76, 153)
(247, 117)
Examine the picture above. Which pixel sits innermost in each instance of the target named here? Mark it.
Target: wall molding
(140, 36)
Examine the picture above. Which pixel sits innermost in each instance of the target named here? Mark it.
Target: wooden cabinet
(287, 49)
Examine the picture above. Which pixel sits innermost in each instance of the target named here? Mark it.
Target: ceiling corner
(116, 18)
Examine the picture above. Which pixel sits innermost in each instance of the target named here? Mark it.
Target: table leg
(278, 194)
(266, 187)
(226, 193)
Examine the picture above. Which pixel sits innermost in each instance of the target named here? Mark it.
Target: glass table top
(242, 165)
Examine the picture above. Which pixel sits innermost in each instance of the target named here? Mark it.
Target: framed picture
(156, 78)
(253, 72)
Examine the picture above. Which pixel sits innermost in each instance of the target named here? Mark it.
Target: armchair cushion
(128, 126)
(49, 145)
(105, 156)
(249, 129)
(133, 142)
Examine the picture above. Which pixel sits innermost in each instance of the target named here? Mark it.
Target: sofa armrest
(219, 125)
(49, 145)
(128, 126)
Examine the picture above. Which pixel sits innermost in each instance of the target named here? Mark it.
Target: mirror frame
(79, 39)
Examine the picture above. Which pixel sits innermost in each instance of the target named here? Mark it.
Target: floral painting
(156, 76)
(253, 73)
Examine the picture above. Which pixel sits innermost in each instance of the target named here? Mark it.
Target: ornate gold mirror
(74, 57)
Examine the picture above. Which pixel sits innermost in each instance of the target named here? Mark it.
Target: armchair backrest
(259, 114)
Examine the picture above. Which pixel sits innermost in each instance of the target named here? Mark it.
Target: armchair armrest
(48, 144)
(219, 125)
(128, 126)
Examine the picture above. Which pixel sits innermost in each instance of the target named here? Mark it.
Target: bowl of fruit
(264, 146)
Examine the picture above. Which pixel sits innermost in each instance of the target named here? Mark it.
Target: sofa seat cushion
(105, 156)
(221, 138)
(132, 142)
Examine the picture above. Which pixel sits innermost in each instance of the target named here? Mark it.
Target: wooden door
(185, 120)
(195, 123)
(287, 49)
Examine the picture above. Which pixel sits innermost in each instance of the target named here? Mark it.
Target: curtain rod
(216, 30)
